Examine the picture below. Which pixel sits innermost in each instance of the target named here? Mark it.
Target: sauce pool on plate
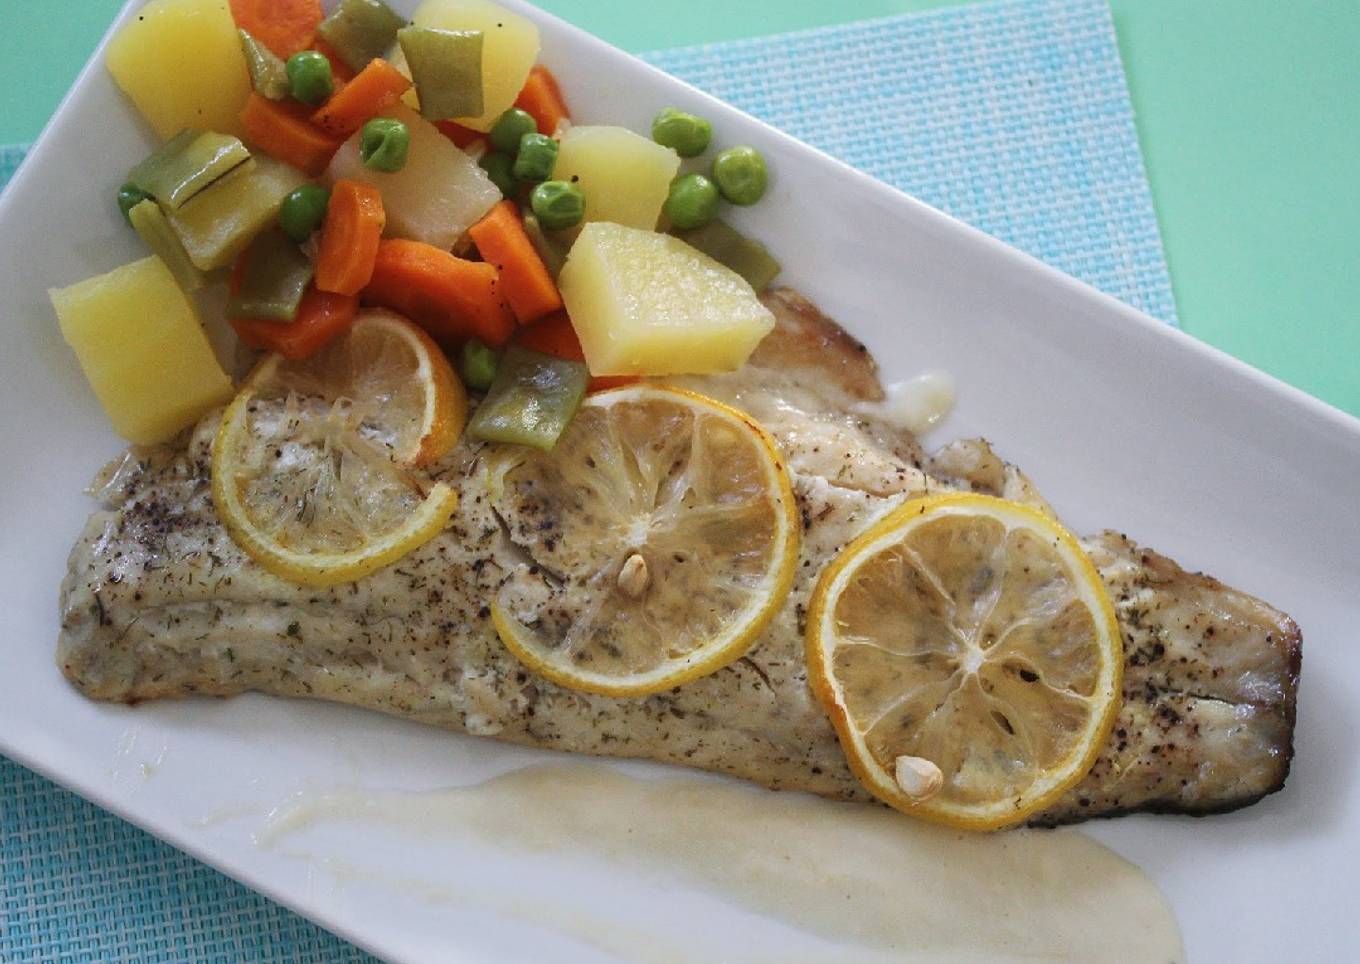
(872, 883)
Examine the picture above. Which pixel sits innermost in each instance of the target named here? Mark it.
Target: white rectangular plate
(1121, 421)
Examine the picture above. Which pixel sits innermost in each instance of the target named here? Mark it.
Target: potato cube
(509, 49)
(146, 356)
(645, 303)
(181, 63)
(624, 175)
(436, 196)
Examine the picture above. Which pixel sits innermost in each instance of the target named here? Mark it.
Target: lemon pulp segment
(314, 463)
(673, 541)
(971, 634)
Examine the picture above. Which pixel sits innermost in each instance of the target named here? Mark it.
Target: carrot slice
(284, 130)
(284, 26)
(528, 286)
(541, 99)
(321, 316)
(349, 237)
(451, 298)
(555, 335)
(373, 89)
(461, 136)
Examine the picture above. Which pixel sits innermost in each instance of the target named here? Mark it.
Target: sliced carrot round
(350, 237)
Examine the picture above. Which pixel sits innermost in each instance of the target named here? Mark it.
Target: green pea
(384, 144)
(477, 363)
(687, 133)
(303, 211)
(692, 201)
(536, 158)
(129, 196)
(558, 205)
(509, 128)
(501, 169)
(309, 77)
(740, 174)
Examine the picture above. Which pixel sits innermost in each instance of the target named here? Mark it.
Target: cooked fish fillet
(158, 602)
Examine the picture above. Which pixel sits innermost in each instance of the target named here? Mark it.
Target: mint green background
(1248, 111)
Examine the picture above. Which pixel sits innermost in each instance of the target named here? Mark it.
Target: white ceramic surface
(1121, 421)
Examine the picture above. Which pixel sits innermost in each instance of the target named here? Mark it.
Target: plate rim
(152, 820)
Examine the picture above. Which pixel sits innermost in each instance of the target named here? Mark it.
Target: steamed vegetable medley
(318, 163)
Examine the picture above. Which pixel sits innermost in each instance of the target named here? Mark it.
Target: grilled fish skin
(159, 602)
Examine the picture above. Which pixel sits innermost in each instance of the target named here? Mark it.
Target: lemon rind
(439, 430)
(316, 569)
(711, 657)
(891, 529)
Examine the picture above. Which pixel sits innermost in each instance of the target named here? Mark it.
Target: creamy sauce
(131, 757)
(869, 881)
(917, 405)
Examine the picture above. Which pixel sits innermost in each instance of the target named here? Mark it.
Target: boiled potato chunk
(645, 303)
(221, 220)
(509, 49)
(624, 175)
(438, 195)
(139, 341)
(181, 63)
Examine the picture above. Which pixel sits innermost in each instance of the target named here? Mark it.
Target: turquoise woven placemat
(1011, 115)
(10, 156)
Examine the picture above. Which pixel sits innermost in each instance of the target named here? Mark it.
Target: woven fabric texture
(10, 156)
(1011, 115)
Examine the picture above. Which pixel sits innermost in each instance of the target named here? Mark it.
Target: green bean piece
(532, 400)
(276, 276)
(500, 169)
(477, 363)
(558, 205)
(692, 201)
(360, 30)
(151, 224)
(218, 224)
(740, 174)
(186, 164)
(129, 196)
(268, 74)
(552, 250)
(303, 211)
(309, 77)
(509, 128)
(384, 144)
(728, 246)
(536, 158)
(687, 134)
(446, 66)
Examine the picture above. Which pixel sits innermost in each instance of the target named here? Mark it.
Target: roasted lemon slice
(392, 374)
(311, 467)
(969, 658)
(665, 526)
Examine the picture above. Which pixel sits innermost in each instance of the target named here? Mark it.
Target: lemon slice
(969, 658)
(666, 526)
(393, 373)
(312, 464)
